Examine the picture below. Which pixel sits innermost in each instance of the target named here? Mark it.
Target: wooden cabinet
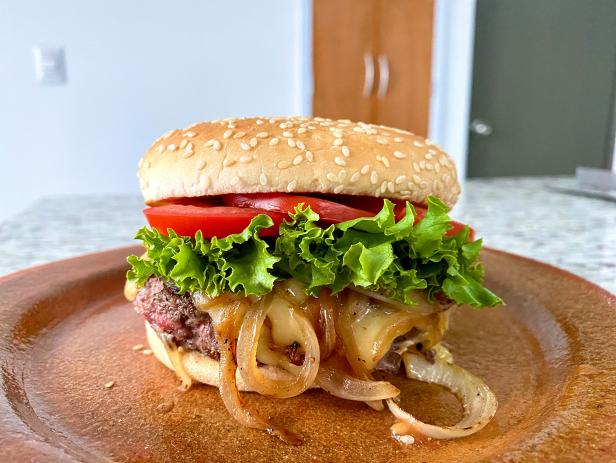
(372, 61)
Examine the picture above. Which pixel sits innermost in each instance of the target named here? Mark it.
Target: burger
(289, 253)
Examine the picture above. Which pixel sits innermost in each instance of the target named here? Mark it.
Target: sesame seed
(374, 177)
(283, 164)
(338, 142)
(240, 134)
(385, 161)
(331, 177)
(137, 347)
(183, 143)
(235, 180)
(274, 141)
(253, 142)
(210, 142)
(231, 125)
(245, 158)
(187, 153)
(391, 187)
(301, 130)
(300, 145)
(338, 160)
(260, 122)
(405, 192)
(355, 177)
(342, 175)
(399, 154)
(429, 155)
(418, 144)
(200, 164)
(398, 139)
(422, 164)
(416, 179)
(383, 186)
(287, 134)
(416, 167)
(263, 179)
(291, 186)
(400, 179)
(109, 385)
(345, 151)
(228, 162)
(160, 148)
(227, 134)
(337, 134)
(429, 166)
(364, 170)
(297, 160)
(309, 156)
(291, 142)
(338, 189)
(381, 140)
(216, 145)
(146, 351)
(245, 146)
(171, 147)
(262, 135)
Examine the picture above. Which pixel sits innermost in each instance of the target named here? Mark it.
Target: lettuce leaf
(376, 253)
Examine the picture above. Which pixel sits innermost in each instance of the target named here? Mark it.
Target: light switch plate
(49, 65)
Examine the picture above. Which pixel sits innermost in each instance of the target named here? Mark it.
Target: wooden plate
(66, 331)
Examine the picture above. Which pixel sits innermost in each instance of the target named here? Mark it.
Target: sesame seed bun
(202, 368)
(296, 154)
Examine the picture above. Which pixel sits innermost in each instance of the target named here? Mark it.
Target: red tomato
(329, 211)
(212, 221)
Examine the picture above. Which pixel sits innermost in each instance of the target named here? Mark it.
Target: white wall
(135, 69)
(452, 68)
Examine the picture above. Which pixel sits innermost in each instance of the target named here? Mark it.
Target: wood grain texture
(343, 31)
(66, 332)
(401, 31)
(405, 38)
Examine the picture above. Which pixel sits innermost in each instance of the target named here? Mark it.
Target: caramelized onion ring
(226, 324)
(302, 377)
(478, 400)
(340, 384)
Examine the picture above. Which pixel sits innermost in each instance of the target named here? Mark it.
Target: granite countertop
(518, 215)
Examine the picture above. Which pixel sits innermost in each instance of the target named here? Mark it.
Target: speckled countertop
(518, 215)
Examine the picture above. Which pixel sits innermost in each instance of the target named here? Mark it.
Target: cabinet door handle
(383, 76)
(368, 74)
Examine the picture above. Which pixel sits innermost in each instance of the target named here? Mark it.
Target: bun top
(296, 155)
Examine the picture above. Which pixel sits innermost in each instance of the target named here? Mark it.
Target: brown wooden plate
(66, 331)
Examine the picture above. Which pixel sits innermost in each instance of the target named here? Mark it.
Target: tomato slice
(329, 211)
(218, 221)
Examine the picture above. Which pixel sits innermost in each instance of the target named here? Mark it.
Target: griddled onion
(225, 325)
(334, 335)
(477, 399)
(340, 384)
(248, 342)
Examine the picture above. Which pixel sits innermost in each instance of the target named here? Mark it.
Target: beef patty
(177, 320)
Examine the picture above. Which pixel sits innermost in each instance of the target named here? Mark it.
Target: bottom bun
(202, 368)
